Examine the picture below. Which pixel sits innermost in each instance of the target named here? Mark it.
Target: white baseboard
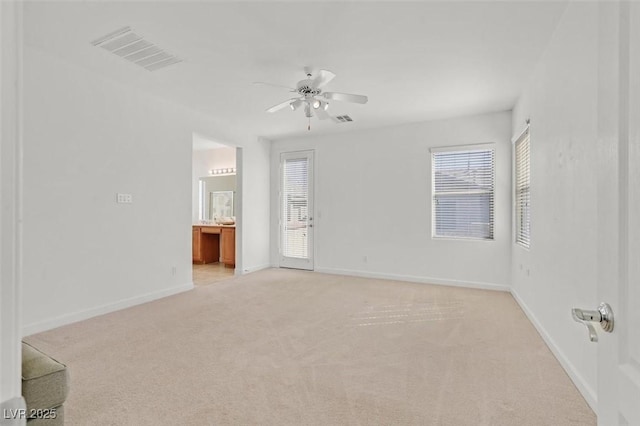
(101, 310)
(13, 412)
(254, 269)
(415, 279)
(587, 391)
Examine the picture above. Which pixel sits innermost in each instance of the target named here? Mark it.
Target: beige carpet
(282, 347)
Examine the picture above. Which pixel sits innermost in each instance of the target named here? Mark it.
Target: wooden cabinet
(211, 244)
(205, 246)
(228, 246)
(195, 245)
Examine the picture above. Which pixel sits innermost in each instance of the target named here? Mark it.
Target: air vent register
(133, 47)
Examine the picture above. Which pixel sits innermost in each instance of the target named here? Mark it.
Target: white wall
(559, 270)
(373, 199)
(203, 161)
(86, 139)
(253, 213)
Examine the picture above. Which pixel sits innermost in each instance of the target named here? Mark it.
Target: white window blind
(463, 193)
(295, 187)
(523, 191)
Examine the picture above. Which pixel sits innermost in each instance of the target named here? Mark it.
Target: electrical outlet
(124, 198)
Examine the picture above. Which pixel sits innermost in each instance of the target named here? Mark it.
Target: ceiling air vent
(132, 47)
(344, 118)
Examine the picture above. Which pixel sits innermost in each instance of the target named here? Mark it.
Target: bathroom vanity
(214, 243)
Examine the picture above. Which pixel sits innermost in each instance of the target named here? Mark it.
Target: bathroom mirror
(220, 204)
(216, 195)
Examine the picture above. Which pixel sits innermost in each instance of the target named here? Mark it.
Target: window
(463, 192)
(523, 191)
(295, 190)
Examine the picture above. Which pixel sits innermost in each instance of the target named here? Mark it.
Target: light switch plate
(124, 198)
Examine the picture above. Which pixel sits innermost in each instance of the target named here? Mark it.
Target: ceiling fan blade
(323, 77)
(262, 83)
(282, 105)
(346, 97)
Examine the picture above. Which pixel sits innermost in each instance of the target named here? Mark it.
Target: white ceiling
(204, 143)
(415, 60)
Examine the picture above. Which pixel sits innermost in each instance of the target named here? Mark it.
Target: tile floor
(211, 273)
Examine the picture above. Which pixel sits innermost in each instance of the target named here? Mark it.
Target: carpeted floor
(283, 347)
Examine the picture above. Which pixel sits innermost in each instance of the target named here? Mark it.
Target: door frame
(11, 176)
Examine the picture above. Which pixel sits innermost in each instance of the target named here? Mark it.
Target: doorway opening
(215, 199)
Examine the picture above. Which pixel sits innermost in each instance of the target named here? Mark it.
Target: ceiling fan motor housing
(305, 88)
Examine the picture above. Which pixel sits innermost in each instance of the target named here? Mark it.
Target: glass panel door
(296, 210)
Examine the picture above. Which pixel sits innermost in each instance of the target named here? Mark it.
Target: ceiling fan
(312, 98)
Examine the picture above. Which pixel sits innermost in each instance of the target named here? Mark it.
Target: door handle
(603, 315)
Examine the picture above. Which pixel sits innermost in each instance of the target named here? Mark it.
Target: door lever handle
(603, 315)
(584, 317)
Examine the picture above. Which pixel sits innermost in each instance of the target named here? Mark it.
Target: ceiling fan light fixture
(316, 104)
(295, 104)
(325, 106)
